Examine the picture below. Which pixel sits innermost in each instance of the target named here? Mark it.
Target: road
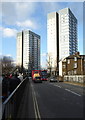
(52, 100)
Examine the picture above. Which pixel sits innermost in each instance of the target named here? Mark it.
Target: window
(75, 72)
(68, 61)
(64, 66)
(72, 72)
(64, 73)
(75, 65)
(64, 60)
(75, 58)
(68, 72)
(84, 64)
(84, 58)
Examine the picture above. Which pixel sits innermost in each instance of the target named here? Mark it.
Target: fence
(75, 78)
(11, 105)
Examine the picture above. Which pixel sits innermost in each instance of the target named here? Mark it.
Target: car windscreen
(37, 77)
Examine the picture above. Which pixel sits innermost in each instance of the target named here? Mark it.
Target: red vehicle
(36, 76)
(44, 75)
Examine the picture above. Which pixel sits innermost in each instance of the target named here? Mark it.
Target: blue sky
(17, 16)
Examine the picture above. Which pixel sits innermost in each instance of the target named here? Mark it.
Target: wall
(75, 78)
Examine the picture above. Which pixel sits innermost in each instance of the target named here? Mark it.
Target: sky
(17, 16)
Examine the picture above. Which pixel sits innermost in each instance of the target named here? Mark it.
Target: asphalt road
(52, 100)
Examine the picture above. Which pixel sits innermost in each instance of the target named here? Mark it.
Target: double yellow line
(36, 108)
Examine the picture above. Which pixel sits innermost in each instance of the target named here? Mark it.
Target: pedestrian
(14, 82)
(10, 76)
(20, 76)
(5, 87)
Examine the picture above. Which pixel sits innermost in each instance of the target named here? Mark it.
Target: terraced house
(73, 65)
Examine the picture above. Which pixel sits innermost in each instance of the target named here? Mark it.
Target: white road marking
(36, 108)
(58, 86)
(73, 92)
(55, 85)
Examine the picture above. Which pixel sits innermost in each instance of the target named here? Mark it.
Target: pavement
(52, 100)
(74, 83)
(26, 109)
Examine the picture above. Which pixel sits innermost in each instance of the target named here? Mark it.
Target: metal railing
(11, 105)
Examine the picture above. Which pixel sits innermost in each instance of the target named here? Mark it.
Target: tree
(49, 63)
(56, 66)
(52, 64)
(7, 64)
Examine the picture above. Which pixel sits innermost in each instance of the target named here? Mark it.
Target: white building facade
(52, 39)
(61, 36)
(28, 50)
(19, 49)
(68, 44)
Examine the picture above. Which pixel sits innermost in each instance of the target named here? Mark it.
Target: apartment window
(68, 72)
(75, 58)
(64, 66)
(75, 72)
(64, 60)
(72, 72)
(64, 73)
(75, 65)
(84, 65)
(68, 61)
(84, 58)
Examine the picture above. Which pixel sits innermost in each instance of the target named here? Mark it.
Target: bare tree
(52, 64)
(56, 67)
(49, 63)
(7, 64)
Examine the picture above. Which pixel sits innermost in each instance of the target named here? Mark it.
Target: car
(44, 78)
(37, 79)
(53, 79)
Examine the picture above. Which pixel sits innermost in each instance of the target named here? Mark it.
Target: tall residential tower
(61, 35)
(53, 40)
(68, 44)
(28, 50)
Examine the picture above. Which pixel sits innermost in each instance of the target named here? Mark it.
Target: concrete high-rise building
(68, 44)
(53, 40)
(61, 35)
(28, 50)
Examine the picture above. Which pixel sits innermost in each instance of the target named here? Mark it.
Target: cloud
(8, 55)
(51, 7)
(20, 15)
(14, 11)
(8, 32)
(24, 10)
(27, 23)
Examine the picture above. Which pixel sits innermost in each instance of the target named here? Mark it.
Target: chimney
(77, 53)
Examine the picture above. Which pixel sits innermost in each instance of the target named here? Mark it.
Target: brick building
(74, 65)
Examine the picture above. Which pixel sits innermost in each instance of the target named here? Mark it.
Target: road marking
(36, 108)
(58, 86)
(55, 85)
(73, 92)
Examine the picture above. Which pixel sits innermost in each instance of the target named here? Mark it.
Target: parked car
(53, 79)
